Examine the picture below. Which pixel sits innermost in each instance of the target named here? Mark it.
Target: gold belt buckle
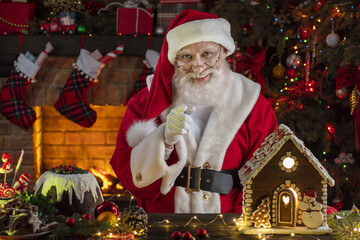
(188, 189)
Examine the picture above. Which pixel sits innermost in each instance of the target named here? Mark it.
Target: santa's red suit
(235, 128)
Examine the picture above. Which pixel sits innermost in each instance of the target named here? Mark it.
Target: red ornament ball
(201, 233)
(176, 235)
(300, 106)
(291, 72)
(330, 210)
(342, 93)
(70, 222)
(187, 236)
(86, 217)
(106, 206)
(303, 32)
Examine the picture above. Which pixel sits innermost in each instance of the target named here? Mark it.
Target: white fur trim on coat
(214, 30)
(139, 130)
(148, 161)
(147, 157)
(224, 122)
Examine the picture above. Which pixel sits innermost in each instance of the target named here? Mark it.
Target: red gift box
(134, 21)
(15, 16)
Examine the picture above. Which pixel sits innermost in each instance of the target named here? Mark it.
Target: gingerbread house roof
(270, 146)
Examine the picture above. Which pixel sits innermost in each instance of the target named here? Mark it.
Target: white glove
(178, 122)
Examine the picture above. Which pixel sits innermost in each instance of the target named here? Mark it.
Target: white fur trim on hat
(215, 30)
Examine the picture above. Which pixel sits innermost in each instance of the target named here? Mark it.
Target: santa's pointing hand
(178, 122)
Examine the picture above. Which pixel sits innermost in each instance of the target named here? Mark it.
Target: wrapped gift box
(166, 12)
(67, 15)
(134, 21)
(15, 16)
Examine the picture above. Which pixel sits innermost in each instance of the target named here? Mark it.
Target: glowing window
(288, 162)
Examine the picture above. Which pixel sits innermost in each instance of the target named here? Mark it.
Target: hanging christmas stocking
(150, 61)
(71, 102)
(13, 92)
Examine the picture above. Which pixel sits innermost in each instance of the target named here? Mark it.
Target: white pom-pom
(139, 130)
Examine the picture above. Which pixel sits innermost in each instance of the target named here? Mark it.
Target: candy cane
(111, 55)
(43, 55)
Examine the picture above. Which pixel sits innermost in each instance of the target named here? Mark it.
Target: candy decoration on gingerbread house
(284, 173)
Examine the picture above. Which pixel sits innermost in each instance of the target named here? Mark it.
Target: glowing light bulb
(288, 162)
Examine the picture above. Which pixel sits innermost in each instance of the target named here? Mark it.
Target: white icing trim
(78, 183)
(270, 146)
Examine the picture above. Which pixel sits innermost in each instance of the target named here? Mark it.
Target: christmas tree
(261, 216)
(305, 54)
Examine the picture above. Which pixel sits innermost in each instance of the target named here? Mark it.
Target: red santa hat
(310, 193)
(190, 26)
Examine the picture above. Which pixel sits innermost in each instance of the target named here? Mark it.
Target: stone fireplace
(55, 140)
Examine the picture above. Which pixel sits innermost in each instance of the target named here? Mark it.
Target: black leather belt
(194, 178)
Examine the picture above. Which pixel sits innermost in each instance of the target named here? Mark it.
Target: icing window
(288, 162)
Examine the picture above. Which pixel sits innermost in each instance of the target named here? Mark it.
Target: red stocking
(12, 97)
(13, 92)
(71, 102)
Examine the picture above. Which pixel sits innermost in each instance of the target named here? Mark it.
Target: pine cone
(134, 219)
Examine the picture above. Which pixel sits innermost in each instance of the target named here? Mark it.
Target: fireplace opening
(57, 140)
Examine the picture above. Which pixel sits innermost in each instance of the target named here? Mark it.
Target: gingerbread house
(284, 188)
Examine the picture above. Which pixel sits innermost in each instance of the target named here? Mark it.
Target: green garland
(84, 228)
(345, 224)
(47, 211)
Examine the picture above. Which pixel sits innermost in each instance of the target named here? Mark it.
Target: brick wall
(62, 141)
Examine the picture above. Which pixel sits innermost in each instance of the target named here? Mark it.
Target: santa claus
(183, 139)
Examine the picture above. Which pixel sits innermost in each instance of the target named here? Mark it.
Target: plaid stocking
(13, 92)
(12, 97)
(71, 102)
(151, 59)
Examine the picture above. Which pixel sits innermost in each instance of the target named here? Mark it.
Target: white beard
(206, 93)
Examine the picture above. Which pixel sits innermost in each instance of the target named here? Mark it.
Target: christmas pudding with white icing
(72, 189)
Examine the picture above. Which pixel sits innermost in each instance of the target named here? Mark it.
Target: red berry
(86, 216)
(70, 222)
(201, 233)
(176, 235)
(187, 236)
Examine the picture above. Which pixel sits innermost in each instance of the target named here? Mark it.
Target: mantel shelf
(70, 45)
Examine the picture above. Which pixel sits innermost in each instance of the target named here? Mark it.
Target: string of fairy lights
(195, 222)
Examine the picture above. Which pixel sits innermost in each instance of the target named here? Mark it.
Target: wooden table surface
(217, 227)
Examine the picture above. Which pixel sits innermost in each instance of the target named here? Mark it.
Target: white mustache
(200, 75)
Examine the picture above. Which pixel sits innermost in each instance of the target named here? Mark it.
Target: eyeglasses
(186, 61)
